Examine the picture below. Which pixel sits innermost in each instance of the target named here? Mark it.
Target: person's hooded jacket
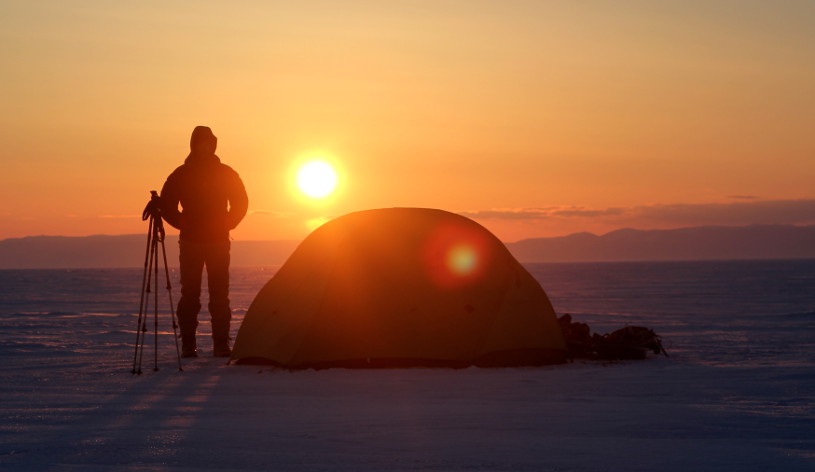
(211, 194)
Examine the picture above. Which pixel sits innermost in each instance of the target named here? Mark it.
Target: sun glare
(462, 259)
(315, 223)
(316, 179)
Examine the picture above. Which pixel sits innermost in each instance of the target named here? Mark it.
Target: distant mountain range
(58, 252)
(697, 243)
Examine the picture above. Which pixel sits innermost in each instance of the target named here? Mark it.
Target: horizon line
(624, 228)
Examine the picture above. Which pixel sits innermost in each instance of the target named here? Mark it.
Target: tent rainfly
(400, 287)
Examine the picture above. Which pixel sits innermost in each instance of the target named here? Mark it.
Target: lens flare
(455, 256)
(462, 259)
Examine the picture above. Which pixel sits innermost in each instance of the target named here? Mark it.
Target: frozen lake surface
(737, 393)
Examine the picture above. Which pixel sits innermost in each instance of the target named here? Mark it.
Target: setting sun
(316, 179)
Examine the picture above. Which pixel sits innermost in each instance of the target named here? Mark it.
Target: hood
(202, 144)
(203, 140)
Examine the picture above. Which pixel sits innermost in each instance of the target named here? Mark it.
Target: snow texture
(737, 393)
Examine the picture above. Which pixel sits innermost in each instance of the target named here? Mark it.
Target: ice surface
(70, 403)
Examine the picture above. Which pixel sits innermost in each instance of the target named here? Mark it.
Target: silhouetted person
(213, 201)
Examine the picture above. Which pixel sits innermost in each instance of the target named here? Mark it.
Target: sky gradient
(536, 118)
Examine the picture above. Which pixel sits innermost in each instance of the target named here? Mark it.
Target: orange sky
(536, 118)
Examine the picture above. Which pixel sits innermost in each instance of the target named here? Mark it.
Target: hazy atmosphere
(533, 118)
(407, 235)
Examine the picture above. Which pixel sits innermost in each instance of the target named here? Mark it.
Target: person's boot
(188, 325)
(221, 315)
(222, 350)
(189, 347)
(220, 344)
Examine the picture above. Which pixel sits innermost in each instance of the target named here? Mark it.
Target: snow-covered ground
(69, 402)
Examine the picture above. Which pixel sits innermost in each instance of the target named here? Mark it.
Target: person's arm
(169, 203)
(238, 202)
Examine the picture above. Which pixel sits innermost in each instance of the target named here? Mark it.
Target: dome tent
(400, 287)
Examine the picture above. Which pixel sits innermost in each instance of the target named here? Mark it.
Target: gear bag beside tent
(400, 287)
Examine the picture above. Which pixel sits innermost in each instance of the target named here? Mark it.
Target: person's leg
(219, 309)
(191, 259)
